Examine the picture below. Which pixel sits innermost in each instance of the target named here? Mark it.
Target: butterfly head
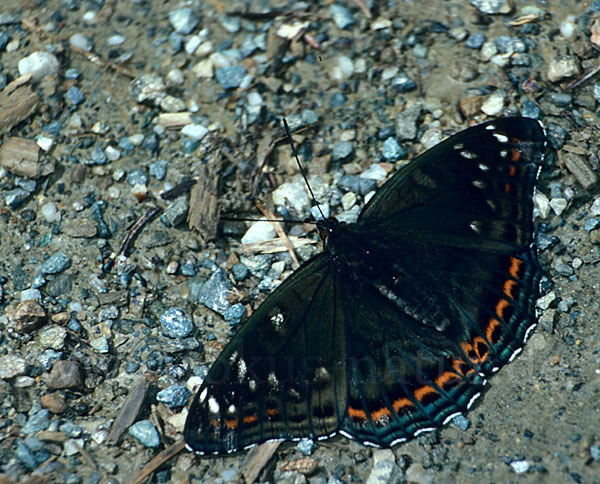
(327, 227)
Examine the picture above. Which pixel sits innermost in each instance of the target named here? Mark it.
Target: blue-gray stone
(531, 109)
(71, 74)
(72, 478)
(4, 39)
(596, 92)
(189, 145)
(175, 43)
(183, 20)
(188, 269)
(521, 60)
(174, 396)
(230, 77)
(230, 24)
(591, 224)
(108, 312)
(402, 83)
(306, 446)
(176, 212)
(392, 151)
(53, 127)
(215, 290)
(235, 313)
(248, 47)
(75, 96)
(16, 197)
(25, 455)
(145, 433)
(509, 45)
(137, 177)
(560, 99)
(341, 16)
(58, 262)
(98, 155)
(309, 116)
(131, 366)
(595, 452)
(175, 324)
(475, 41)
(461, 422)
(158, 169)
(71, 429)
(150, 142)
(48, 357)
(356, 184)
(37, 422)
(125, 144)
(240, 272)
(34, 444)
(342, 150)
(337, 99)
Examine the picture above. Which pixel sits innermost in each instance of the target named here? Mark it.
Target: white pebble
(493, 105)
(254, 99)
(112, 153)
(50, 213)
(115, 40)
(192, 44)
(194, 131)
(44, 143)
(136, 139)
(259, 232)
(80, 41)
(568, 27)
(39, 64)
(175, 77)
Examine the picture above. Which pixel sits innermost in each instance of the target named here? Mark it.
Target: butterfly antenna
(289, 135)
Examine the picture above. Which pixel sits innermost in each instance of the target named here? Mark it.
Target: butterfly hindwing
(282, 375)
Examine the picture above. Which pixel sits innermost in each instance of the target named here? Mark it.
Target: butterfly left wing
(282, 376)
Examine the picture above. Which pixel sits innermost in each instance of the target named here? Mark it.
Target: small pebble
(53, 337)
(194, 131)
(392, 151)
(341, 16)
(37, 422)
(174, 396)
(183, 20)
(175, 324)
(75, 96)
(520, 466)
(58, 262)
(259, 232)
(55, 402)
(145, 433)
(12, 366)
(230, 77)
(342, 150)
(235, 313)
(39, 64)
(50, 213)
(64, 375)
(81, 42)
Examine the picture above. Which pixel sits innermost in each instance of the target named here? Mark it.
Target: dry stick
(280, 232)
(586, 76)
(158, 461)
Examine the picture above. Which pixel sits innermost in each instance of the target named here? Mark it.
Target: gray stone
(406, 123)
(12, 366)
(174, 396)
(215, 290)
(145, 433)
(64, 374)
(175, 324)
(183, 20)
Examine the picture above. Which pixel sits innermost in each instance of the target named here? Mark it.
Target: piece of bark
(22, 157)
(17, 103)
(203, 215)
(128, 412)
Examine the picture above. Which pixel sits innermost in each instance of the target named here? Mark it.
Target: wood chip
(580, 169)
(158, 461)
(17, 103)
(174, 120)
(22, 157)
(305, 466)
(128, 413)
(256, 459)
(203, 215)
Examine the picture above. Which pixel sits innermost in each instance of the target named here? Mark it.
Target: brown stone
(55, 402)
(29, 316)
(64, 374)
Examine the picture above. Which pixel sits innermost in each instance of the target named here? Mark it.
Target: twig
(158, 461)
(586, 76)
(280, 232)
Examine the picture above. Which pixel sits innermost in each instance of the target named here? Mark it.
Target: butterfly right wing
(282, 376)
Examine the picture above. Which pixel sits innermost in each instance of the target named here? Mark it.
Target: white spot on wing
(515, 354)
(490, 127)
(475, 226)
(528, 332)
(472, 401)
(423, 430)
(242, 369)
(483, 167)
(500, 137)
(450, 417)
(231, 409)
(213, 405)
(469, 155)
(478, 184)
(203, 395)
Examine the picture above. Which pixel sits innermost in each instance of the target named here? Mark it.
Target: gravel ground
(90, 140)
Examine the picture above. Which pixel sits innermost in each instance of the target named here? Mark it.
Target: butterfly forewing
(392, 329)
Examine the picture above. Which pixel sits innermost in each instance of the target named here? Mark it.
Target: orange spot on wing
(213, 423)
(500, 307)
(446, 379)
(231, 423)
(490, 331)
(250, 419)
(507, 188)
(272, 412)
(401, 403)
(377, 414)
(357, 414)
(423, 392)
(515, 267)
(508, 287)
(476, 351)
(515, 155)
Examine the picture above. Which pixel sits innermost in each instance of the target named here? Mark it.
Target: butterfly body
(392, 329)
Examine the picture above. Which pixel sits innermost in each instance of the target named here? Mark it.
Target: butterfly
(393, 328)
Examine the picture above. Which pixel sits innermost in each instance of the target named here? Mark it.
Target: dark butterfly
(391, 330)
